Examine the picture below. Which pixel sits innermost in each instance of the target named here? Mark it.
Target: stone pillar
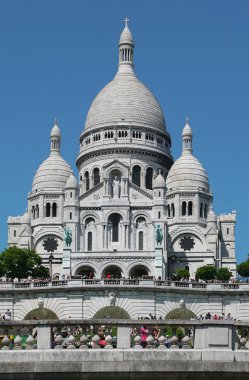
(123, 337)
(106, 188)
(44, 337)
(66, 261)
(133, 237)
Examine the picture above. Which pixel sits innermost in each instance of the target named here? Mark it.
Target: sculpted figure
(159, 234)
(67, 236)
(115, 187)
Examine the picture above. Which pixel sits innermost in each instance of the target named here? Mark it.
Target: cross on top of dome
(126, 20)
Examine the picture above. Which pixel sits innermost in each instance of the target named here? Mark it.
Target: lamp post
(50, 260)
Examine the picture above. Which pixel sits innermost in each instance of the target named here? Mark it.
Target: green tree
(181, 273)
(21, 263)
(243, 269)
(206, 273)
(223, 274)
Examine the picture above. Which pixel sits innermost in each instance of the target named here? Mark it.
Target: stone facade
(132, 212)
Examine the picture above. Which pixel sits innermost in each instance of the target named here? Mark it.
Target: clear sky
(55, 55)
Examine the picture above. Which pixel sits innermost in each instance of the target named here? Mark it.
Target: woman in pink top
(144, 333)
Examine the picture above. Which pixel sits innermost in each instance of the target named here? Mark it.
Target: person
(144, 333)
(115, 187)
(7, 315)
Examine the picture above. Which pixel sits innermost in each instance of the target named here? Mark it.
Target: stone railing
(123, 334)
(123, 282)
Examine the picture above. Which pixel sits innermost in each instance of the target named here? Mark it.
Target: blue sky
(193, 54)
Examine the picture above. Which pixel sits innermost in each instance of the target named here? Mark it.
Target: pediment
(115, 165)
(137, 194)
(211, 231)
(24, 233)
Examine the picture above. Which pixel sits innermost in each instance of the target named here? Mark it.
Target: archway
(112, 271)
(40, 313)
(85, 271)
(111, 312)
(138, 271)
(180, 313)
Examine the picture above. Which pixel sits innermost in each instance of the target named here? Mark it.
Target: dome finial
(187, 138)
(55, 138)
(126, 20)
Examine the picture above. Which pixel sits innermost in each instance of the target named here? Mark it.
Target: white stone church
(129, 189)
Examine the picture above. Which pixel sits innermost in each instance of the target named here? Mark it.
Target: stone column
(44, 337)
(123, 337)
(133, 237)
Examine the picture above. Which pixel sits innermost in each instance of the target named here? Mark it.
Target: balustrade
(125, 334)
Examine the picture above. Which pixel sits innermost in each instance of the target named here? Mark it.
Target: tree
(21, 263)
(206, 273)
(243, 269)
(181, 273)
(223, 274)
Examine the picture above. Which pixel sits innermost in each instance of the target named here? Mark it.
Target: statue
(41, 302)
(112, 299)
(115, 187)
(159, 234)
(67, 236)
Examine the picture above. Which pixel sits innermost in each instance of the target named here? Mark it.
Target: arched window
(173, 210)
(70, 215)
(96, 177)
(149, 176)
(140, 241)
(205, 211)
(48, 210)
(201, 210)
(87, 181)
(54, 210)
(168, 209)
(136, 175)
(190, 208)
(33, 212)
(184, 208)
(14, 233)
(115, 222)
(90, 241)
(37, 211)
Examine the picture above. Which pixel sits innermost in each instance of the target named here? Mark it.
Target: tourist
(144, 333)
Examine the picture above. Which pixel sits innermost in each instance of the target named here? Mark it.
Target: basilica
(132, 211)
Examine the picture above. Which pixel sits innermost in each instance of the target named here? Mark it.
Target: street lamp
(50, 260)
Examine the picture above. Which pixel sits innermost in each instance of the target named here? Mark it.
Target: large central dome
(125, 98)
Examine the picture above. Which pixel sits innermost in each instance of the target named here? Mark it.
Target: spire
(187, 138)
(126, 47)
(55, 138)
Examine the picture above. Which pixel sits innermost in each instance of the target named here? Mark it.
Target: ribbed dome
(126, 37)
(125, 99)
(72, 182)
(187, 172)
(159, 182)
(52, 173)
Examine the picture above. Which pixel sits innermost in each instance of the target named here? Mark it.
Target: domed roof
(159, 182)
(54, 172)
(187, 172)
(72, 182)
(126, 37)
(125, 98)
(55, 132)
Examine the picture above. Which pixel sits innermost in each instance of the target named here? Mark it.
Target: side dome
(125, 98)
(187, 171)
(54, 172)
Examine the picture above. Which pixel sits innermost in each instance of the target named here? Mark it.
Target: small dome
(72, 182)
(25, 219)
(187, 130)
(55, 132)
(126, 37)
(187, 172)
(159, 182)
(212, 218)
(52, 173)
